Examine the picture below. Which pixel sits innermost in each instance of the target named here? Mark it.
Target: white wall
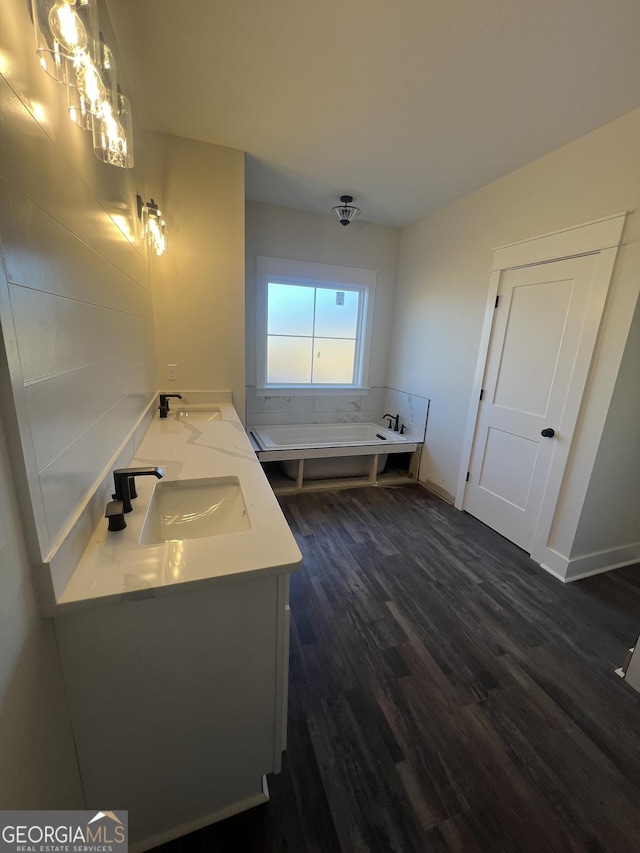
(38, 767)
(443, 275)
(611, 511)
(198, 287)
(76, 317)
(280, 232)
(75, 300)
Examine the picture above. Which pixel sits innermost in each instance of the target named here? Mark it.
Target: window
(314, 324)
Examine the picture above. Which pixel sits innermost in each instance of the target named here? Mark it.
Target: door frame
(601, 237)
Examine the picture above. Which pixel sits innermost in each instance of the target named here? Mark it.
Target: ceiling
(404, 104)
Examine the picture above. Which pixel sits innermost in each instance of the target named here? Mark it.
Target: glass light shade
(154, 228)
(109, 140)
(66, 26)
(107, 66)
(126, 123)
(63, 29)
(346, 212)
(95, 84)
(79, 112)
(89, 83)
(113, 134)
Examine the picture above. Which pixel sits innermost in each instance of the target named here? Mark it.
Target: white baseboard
(192, 826)
(550, 570)
(602, 561)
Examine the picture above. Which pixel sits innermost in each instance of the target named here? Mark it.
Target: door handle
(548, 432)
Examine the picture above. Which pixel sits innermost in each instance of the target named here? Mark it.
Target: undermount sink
(194, 509)
(198, 415)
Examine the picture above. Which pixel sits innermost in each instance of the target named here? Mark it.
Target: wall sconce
(70, 48)
(345, 212)
(154, 228)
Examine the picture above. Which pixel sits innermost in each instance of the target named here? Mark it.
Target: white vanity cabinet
(175, 651)
(178, 700)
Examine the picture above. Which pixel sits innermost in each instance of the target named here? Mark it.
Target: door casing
(557, 523)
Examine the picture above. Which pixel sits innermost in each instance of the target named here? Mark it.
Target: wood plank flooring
(446, 693)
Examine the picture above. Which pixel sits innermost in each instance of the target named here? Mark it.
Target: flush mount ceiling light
(154, 229)
(345, 211)
(71, 49)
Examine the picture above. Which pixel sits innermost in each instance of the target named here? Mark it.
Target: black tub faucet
(395, 420)
(123, 478)
(164, 403)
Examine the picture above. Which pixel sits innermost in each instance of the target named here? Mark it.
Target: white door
(524, 419)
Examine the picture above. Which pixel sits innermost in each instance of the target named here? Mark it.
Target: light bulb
(66, 27)
(90, 83)
(156, 230)
(113, 139)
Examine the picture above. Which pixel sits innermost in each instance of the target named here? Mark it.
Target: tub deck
(282, 443)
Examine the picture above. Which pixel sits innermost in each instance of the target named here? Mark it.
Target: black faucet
(123, 478)
(395, 420)
(164, 403)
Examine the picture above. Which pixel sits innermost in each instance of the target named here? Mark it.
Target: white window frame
(309, 274)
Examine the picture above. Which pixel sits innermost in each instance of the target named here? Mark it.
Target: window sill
(312, 391)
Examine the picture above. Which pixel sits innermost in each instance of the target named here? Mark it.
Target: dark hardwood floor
(446, 693)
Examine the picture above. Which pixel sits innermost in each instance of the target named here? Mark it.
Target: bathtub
(323, 451)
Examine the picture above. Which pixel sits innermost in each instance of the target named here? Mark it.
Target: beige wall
(443, 282)
(198, 287)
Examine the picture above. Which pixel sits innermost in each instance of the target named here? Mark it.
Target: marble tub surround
(115, 566)
(413, 411)
(339, 408)
(314, 409)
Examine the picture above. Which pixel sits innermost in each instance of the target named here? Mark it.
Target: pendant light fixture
(346, 212)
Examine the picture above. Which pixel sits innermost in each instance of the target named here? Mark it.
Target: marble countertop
(115, 566)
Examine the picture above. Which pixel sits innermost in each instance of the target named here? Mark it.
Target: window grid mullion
(312, 337)
(313, 340)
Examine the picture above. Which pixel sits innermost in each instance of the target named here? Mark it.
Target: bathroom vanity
(174, 635)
